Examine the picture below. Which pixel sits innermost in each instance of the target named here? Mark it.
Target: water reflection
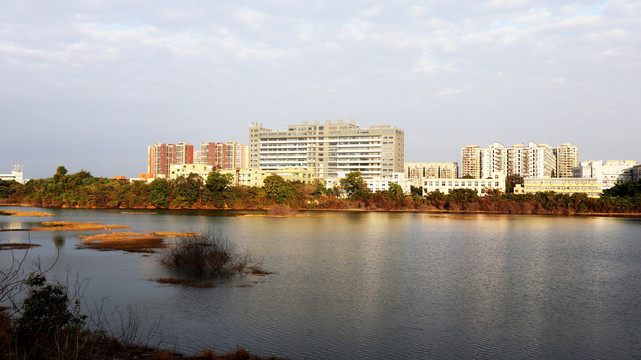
(378, 285)
(59, 241)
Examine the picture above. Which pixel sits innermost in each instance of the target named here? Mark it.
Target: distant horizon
(458, 161)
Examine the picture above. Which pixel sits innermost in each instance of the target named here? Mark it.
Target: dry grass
(17, 246)
(184, 282)
(281, 210)
(129, 241)
(24, 213)
(122, 241)
(75, 226)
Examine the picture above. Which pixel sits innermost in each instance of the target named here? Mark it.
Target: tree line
(217, 191)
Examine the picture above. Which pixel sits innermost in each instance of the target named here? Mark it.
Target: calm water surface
(377, 285)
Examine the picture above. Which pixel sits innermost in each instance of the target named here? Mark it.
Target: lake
(373, 285)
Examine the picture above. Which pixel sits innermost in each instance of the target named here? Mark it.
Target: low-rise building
(589, 186)
(202, 170)
(255, 177)
(610, 173)
(17, 174)
(375, 183)
(481, 186)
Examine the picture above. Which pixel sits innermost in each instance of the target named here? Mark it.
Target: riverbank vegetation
(82, 190)
(47, 323)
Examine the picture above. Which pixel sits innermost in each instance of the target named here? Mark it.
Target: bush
(48, 318)
(208, 255)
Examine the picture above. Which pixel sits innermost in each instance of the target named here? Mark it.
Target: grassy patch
(75, 226)
(281, 210)
(122, 241)
(24, 213)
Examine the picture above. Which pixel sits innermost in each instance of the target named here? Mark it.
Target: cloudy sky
(90, 84)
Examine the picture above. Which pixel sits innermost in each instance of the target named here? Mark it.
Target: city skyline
(86, 85)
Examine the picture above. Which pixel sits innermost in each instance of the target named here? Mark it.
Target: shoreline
(418, 211)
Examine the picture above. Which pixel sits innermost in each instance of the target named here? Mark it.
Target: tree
(416, 190)
(158, 192)
(467, 176)
(354, 185)
(217, 182)
(61, 171)
(46, 314)
(8, 188)
(395, 192)
(463, 195)
(278, 189)
(511, 181)
(186, 190)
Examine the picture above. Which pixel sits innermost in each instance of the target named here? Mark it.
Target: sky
(89, 84)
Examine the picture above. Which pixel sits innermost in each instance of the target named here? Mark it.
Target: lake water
(376, 285)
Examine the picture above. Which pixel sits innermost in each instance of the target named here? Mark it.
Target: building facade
(160, 157)
(542, 161)
(224, 156)
(255, 177)
(431, 170)
(533, 160)
(567, 158)
(480, 185)
(378, 183)
(328, 148)
(636, 172)
(588, 186)
(471, 161)
(610, 173)
(17, 174)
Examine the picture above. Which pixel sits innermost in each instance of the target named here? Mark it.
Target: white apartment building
(542, 161)
(610, 173)
(533, 160)
(328, 148)
(480, 185)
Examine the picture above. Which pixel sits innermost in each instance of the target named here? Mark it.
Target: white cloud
(250, 17)
(448, 92)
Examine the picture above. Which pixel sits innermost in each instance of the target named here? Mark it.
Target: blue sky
(90, 84)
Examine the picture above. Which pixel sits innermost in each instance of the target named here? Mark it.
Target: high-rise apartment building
(541, 161)
(328, 148)
(567, 158)
(431, 170)
(534, 160)
(224, 156)
(471, 161)
(160, 157)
